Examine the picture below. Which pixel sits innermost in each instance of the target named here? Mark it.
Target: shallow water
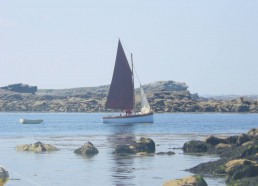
(68, 131)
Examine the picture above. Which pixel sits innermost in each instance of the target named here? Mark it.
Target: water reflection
(123, 166)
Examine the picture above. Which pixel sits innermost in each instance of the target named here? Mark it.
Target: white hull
(30, 121)
(144, 118)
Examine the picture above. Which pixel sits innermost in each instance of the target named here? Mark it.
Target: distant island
(164, 96)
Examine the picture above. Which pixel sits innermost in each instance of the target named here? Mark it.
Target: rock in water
(4, 175)
(187, 181)
(196, 146)
(36, 147)
(87, 149)
(144, 145)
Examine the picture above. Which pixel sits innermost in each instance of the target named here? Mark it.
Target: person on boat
(128, 112)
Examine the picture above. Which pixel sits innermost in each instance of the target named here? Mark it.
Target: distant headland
(164, 96)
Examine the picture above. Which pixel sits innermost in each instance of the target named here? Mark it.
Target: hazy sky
(210, 45)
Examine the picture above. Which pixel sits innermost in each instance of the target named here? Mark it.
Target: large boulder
(241, 168)
(250, 150)
(36, 147)
(214, 140)
(238, 140)
(144, 145)
(231, 164)
(87, 149)
(196, 146)
(187, 181)
(253, 133)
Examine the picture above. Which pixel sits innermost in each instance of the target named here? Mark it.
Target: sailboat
(121, 95)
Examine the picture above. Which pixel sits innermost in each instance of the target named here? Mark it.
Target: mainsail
(121, 92)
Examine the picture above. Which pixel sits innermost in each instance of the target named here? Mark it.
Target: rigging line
(31, 181)
(137, 77)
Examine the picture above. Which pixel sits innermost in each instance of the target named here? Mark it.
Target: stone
(253, 133)
(231, 164)
(165, 153)
(214, 140)
(222, 146)
(196, 146)
(145, 145)
(248, 143)
(4, 175)
(87, 149)
(187, 181)
(239, 169)
(36, 147)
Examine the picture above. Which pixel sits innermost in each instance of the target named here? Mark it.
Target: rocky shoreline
(163, 96)
(238, 161)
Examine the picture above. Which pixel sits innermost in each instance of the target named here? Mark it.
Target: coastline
(163, 97)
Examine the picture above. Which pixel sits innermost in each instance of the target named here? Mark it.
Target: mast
(133, 83)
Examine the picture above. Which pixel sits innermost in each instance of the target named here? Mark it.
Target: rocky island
(163, 96)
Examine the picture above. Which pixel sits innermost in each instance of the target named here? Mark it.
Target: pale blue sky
(210, 45)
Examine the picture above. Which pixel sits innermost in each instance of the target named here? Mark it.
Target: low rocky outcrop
(36, 147)
(87, 149)
(163, 96)
(239, 157)
(144, 145)
(187, 181)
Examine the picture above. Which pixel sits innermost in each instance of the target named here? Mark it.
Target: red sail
(121, 90)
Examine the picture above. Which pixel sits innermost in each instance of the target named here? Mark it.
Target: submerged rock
(187, 181)
(87, 149)
(36, 147)
(165, 153)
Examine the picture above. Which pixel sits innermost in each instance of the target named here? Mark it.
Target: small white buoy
(4, 175)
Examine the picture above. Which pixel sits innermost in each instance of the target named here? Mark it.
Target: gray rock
(196, 146)
(165, 153)
(36, 147)
(87, 149)
(145, 145)
(4, 175)
(195, 180)
(214, 140)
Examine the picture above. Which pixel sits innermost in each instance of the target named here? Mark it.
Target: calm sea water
(68, 131)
